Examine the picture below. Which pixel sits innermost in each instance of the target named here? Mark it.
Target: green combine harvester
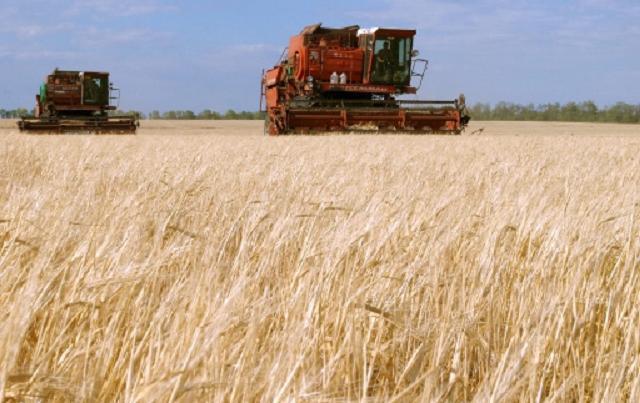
(77, 102)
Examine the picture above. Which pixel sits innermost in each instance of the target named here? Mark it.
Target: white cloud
(38, 54)
(240, 57)
(32, 30)
(498, 23)
(122, 8)
(91, 36)
(253, 48)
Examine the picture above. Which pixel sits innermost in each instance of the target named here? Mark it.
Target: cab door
(366, 44)
(96, 89)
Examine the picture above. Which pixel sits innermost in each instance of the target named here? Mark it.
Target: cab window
(392, 60)
(95, 90)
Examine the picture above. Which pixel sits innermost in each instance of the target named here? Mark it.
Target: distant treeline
(14, 113)
(571, 112)
(206, 114)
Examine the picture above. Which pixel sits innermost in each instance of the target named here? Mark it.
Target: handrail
(418, 74)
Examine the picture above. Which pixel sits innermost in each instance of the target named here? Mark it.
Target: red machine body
(347, 79)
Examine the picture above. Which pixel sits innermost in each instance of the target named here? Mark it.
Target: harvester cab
(96, 89)
(387, 55)
(347, 79)
(77, 101)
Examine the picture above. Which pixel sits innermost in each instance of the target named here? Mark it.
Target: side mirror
(415, 53)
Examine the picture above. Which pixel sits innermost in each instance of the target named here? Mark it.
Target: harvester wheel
(51, 110)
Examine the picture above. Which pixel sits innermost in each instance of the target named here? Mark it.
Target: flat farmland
(203, 261)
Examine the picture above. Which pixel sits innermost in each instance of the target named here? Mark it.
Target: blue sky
(168, 54)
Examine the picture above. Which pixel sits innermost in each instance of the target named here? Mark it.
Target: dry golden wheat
(242, 268)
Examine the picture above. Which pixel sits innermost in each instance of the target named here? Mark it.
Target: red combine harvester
(347, 79)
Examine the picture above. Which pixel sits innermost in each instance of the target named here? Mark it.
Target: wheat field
(203, 261)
